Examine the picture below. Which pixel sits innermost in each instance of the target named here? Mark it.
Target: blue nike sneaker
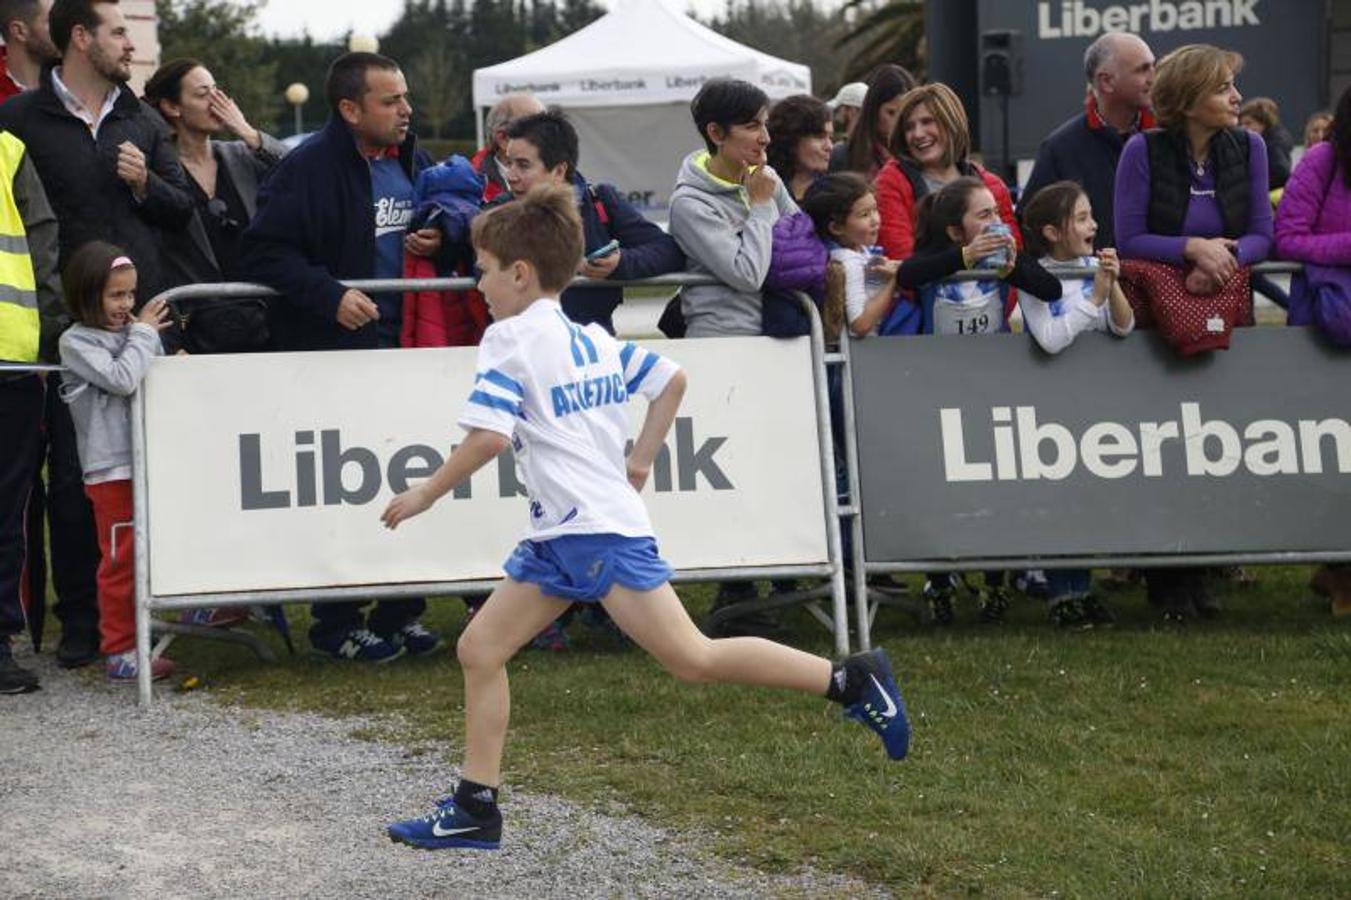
(449, 826)
(881, 706)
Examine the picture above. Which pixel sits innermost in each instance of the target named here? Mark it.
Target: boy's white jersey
(558, 390)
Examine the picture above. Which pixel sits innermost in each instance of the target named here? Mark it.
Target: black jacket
(645, 250)
(315, 227)
(1077, 151)
(1280, 145)
(187, 252)
(79, 174)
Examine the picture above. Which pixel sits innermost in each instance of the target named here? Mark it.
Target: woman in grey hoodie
(723, 209)
(108, 352)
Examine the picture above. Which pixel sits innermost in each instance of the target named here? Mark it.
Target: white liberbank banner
(271, 471)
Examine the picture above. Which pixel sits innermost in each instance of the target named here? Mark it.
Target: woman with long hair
(866, 149)
(223, 179)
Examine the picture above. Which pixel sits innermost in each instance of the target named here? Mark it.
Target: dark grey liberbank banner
(985, 447)
(1284, 44)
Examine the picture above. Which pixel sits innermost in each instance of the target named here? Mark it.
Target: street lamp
(363, 43)
(296, 95)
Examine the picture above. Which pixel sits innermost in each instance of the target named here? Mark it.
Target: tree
(441, 93)
(892, 32)
(796, 30)
(222, 35)
(304, 61)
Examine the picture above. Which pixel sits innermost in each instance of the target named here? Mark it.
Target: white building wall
(140, 15)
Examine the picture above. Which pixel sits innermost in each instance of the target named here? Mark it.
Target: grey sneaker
(14, 678)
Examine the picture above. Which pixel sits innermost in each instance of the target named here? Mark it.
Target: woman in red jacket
(929, 149)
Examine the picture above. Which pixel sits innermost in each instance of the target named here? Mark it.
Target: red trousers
(116, 578)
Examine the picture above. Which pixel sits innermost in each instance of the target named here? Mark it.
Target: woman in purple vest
(1193, 193)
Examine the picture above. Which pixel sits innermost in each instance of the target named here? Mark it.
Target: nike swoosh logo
(438, 831)
(890, 712)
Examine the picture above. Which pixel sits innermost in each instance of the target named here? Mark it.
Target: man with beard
(28, 45)
(109, 169)
(110, 174)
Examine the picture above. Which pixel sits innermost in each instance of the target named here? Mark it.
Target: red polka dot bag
(1190, 323)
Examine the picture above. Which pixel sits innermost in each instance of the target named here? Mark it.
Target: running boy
(554, 391)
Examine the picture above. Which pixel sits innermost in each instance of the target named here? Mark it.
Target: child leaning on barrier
(107, 354)
(952, 223)
(1058, 226)
(590, 538)
(861, 282)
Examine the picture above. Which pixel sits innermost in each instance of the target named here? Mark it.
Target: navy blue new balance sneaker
(416, 639)
(449, 826)
(358, 644)
(881, 706)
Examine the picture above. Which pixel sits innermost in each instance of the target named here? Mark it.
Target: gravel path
(100, 799)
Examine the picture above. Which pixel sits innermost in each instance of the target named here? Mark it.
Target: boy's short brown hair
(542, 228)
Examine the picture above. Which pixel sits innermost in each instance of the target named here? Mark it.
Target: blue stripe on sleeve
(494, 402)
(627, 354)
(646, 367)
(589, 345)
(502, 380)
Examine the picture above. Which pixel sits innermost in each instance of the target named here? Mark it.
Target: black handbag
(223, 324)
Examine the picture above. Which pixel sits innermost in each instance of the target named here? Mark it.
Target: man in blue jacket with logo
(337, 208)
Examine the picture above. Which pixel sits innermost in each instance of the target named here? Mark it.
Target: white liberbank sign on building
(1074, 18)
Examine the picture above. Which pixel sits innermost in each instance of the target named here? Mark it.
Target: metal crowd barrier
(147, 603)
(836, 508)
(868, 599)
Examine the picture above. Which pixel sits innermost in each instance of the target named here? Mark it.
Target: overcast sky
(326, 19)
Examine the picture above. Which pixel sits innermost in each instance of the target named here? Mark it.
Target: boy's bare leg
(657, 621)
(511, 616)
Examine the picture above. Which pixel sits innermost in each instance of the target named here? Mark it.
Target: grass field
(1141, 760)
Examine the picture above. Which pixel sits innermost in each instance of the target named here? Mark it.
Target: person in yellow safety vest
(31, 320)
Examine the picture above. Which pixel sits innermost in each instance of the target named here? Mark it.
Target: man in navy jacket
(319, 221)
(1120, 72)
(337, 207)
(544, 148)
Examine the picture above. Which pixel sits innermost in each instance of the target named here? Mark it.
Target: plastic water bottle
(1000, 258)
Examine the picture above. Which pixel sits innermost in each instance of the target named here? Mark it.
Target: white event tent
(625, 82)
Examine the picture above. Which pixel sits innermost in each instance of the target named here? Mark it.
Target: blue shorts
(583, 567)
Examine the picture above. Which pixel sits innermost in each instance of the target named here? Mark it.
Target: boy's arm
(479, 448)
(661, 413)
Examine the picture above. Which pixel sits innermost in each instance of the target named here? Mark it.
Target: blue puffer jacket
(446, 196)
